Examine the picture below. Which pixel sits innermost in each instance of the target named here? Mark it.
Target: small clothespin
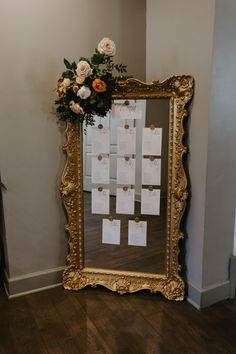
(152, 126)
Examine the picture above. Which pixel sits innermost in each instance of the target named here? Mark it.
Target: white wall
(34, 39)
(221, 167)
(198, 38)
(35, 36)
(179, 41)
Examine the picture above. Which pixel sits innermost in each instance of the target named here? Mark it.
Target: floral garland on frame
(85, 89)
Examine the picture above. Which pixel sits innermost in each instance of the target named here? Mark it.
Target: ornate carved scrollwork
(179, 89)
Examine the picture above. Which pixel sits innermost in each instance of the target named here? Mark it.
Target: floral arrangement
(85, 89)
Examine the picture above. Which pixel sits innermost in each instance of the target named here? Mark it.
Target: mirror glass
(151, 256)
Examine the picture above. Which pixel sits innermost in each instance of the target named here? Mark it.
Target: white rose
(76, 108)
(84, 92)
(83, 69)
(107, 46)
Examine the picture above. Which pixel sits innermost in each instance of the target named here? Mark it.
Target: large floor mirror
(124, 188)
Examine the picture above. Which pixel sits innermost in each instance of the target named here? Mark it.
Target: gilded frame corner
(179, 89)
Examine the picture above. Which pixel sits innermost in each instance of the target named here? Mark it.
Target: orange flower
(99, 85)
(75, 89)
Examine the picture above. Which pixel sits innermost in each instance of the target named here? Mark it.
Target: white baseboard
(50, 278)
(193, 303)
(205, 297)
(32, 282)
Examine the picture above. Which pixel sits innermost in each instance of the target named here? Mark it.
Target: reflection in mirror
(124, 227)
(108, 239)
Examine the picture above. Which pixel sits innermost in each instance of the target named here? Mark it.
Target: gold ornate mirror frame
(179, 90)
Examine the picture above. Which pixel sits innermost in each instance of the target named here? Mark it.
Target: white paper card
(151, 172)
(150, 202)
(125, 171)
(124, 201)
(100, 201)
(152, 141)
(137, 235)
(126, 140)
(100, 140)
(100, 170)
(111, 231)
(120, 110)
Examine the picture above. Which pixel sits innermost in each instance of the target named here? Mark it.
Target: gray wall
(198, 38)
(221, 167)
(35, 36)
(179, 41)
(180, 35)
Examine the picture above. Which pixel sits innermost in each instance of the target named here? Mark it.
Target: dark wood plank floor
(94, 321)
(150, 259)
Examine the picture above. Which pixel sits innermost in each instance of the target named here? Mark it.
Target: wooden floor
(150, 259)
(94, 321)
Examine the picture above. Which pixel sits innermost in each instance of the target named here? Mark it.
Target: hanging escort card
(125, 170)
(111, 231)
(100, 201)
(152, 141)
(151, 171)
(100, 170)
(126, 140)
(124, 200)
(127, 109)
(150, 201)
(100, 140)
(137, 235)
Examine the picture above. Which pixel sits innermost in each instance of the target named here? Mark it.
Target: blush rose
(76, 108)
(83, 69)
(107, 46)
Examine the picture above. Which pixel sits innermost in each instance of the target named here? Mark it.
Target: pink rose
(83, 69)
(107, 46)
(76, 108)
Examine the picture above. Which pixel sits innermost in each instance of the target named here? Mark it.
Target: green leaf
(67, 64)
(97, 59)
(68, 74)
(74, 66)
(100, 104)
